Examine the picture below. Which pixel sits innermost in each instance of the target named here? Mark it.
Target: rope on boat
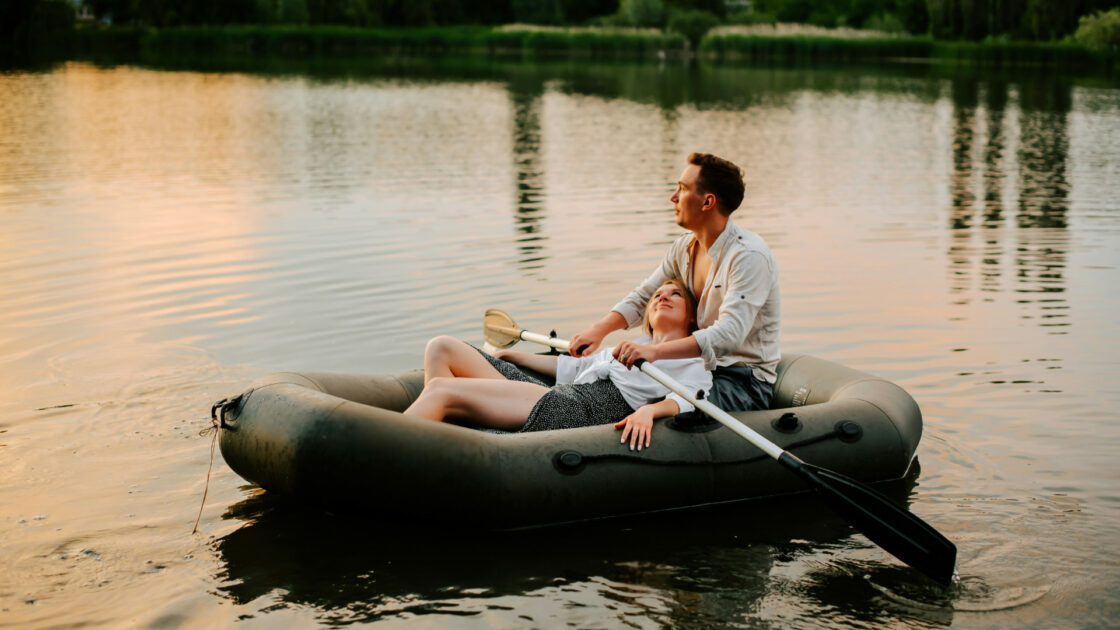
(216, 423)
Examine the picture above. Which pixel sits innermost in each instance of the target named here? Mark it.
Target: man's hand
(628, 352)
(586, 342)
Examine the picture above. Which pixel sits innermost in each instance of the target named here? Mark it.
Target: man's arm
(627, 313)
(629, 352)
(749, 283)
(748, 286)
(587, 342)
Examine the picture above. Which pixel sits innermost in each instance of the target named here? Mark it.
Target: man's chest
(701, 268)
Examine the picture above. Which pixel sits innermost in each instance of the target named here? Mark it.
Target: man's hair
(721, 178)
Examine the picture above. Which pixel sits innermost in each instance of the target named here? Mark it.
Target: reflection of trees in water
(983, 129)
(526, 94)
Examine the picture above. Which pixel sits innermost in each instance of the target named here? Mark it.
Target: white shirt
(739, 309)
(637, 388)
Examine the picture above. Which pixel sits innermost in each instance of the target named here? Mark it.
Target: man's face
(687, 199)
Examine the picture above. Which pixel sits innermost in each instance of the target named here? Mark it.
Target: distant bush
(808, 48)
(692, 24)
(642, 12)
(751, 17)
(538, 11)
(1100, 31)
(1016, 53)
(884, 22)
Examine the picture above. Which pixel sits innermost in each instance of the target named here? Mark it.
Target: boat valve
(568, 462)
(848, 431)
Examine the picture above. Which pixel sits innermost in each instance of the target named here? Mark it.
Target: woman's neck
(661, 336)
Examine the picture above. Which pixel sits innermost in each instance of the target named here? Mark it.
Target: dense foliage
(1040, 20)
(351, 12)
(944, 19)
(1071, 29)
(908, 15)
(35, 28)
(1100, 31)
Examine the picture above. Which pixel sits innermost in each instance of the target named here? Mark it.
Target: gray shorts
(736, 389)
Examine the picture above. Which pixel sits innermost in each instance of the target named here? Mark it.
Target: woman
(464, 385)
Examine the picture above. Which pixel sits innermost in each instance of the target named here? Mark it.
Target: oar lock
(788, 423)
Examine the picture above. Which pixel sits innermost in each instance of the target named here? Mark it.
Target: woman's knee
(442, 346)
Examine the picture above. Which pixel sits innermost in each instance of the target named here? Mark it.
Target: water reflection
(698, 568)
(999, 129)
(526, 95)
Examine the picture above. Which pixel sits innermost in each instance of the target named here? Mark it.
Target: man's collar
(720, 242)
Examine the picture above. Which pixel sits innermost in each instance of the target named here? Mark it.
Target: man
(734, 278)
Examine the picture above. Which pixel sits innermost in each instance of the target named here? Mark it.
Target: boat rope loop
(217, 421)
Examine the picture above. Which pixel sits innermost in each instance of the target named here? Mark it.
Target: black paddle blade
(883, 521)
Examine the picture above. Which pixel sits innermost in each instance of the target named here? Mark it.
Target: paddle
(884, 522)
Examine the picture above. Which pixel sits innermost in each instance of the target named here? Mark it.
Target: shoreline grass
(344, 40)
(721, 46)
(730, 47)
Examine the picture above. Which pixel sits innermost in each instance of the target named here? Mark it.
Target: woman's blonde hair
(689, 302)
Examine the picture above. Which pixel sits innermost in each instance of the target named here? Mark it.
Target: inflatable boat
(340, 440)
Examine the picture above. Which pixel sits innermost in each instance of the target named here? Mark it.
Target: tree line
(37, 23)
(974, 20)
(944, 19)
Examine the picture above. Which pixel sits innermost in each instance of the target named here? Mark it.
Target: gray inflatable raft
(340, 440)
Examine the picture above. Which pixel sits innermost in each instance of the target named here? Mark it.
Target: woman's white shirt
(637, 388)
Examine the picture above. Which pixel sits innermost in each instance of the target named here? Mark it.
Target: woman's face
(669, 310)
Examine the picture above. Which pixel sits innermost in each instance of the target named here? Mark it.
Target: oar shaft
(724, 418)
(559, 344)
(892, 527)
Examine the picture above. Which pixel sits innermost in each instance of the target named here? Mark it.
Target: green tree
(581, 11)
(715, 7)
(1100, 31)
(693, 24)
(642, 12)
(538, 11)
(1020, 19)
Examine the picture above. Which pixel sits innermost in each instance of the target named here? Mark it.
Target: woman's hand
(628, 352)
(638, 427)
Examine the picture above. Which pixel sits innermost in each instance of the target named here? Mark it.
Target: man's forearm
(609, 323)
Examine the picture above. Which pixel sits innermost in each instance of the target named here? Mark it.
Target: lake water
(169, 234)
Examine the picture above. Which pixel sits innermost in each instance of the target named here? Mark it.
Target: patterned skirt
(568, 406)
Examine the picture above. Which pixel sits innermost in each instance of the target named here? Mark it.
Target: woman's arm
(543, 363)
(639, 425)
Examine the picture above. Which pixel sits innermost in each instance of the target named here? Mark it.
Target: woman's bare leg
(485, 402)
(447, 356)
